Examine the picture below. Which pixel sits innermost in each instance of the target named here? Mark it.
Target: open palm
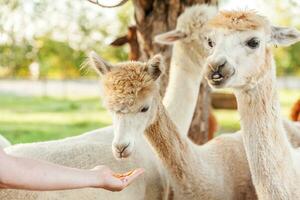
(110, 181)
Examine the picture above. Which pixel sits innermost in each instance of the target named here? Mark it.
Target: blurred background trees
(57, 35)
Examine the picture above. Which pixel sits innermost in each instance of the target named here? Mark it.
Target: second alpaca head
(241, 42)
(191, 30)
(131, 94)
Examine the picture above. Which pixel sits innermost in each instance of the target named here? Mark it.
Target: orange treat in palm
(117, 175)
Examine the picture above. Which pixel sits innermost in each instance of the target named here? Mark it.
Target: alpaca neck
(182, 92)
(173, 150)
(265, 140)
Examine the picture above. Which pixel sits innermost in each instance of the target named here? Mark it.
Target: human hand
(109, 180)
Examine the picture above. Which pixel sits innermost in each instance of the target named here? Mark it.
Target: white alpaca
(4, 142)
(242, 60)
(131, 93)
(93, 148)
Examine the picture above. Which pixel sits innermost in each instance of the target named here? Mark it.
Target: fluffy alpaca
(188, 57)
(242, 60)
(90, 149)
(295, 112)
(4, 142)
(94, 148)
(131, 93)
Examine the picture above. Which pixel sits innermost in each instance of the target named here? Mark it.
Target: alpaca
(87, 150)
(93, 148)
(242, 60)
(188, 57)
(4, 142)
(295, 112)
(131, 94)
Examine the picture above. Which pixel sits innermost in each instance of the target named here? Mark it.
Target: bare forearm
(23, 173)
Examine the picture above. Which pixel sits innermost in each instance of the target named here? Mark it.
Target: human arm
(30, 174)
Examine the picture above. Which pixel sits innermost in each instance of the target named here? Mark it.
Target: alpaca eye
(253, 43)
(145, 109)
(210, 43)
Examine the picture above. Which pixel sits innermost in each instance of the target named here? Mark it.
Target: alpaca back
(86, 151)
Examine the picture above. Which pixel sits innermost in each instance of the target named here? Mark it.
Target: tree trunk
(157, 16)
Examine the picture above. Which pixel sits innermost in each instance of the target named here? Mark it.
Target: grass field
(28, 119)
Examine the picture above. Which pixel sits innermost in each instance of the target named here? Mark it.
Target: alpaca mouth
(219, 80)
(122, 156)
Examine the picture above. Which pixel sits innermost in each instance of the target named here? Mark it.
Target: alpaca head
(241, 43)
(131, 94)
(191, 29)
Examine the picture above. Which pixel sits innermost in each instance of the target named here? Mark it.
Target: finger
(129, 179)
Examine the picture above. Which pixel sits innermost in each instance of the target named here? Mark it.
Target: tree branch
(107, 6)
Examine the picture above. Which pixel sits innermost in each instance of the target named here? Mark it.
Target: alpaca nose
(121, 147)
(217, 65)
(220, 65)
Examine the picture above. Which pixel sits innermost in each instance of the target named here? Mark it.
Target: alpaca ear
(169, 37)
(284, 36)
(155, 66)
(98, 64)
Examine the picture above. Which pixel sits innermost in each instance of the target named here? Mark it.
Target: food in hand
(119, 175)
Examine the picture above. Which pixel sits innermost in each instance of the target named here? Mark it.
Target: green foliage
(14, 59)
(58, 59)
(58, 50)
(288, 60)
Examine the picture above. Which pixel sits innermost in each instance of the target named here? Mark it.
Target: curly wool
(126, 85)
(194, 19)
(239, 20)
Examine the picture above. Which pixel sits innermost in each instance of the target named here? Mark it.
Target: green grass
(229, 119)
(29, 119)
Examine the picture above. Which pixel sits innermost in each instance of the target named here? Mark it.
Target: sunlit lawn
(28, 119)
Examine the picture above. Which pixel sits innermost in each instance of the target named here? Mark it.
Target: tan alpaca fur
(239, 20)
(130, 84)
